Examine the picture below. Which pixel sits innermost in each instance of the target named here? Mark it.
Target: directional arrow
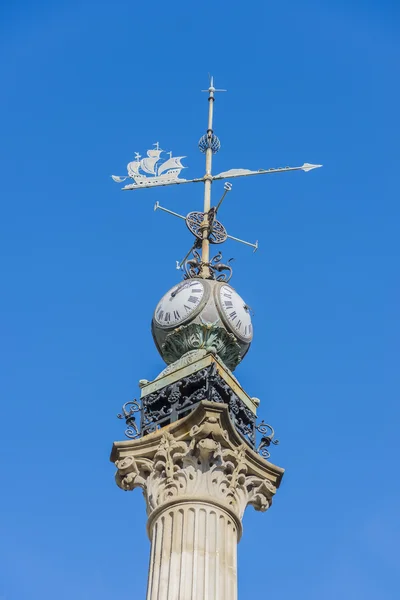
(246, 172)
(307, 167)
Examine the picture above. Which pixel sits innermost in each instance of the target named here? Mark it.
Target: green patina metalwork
(205, 336)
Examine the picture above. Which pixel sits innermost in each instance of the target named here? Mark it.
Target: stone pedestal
(197, 476)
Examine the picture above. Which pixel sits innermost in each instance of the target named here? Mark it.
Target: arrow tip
(308, 167)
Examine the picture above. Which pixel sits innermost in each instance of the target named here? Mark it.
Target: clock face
(179, 303)
(236, 313)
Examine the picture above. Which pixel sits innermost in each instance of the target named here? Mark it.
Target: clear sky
(84, 86)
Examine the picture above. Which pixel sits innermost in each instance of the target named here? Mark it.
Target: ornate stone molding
(207, 336)
(200, 458)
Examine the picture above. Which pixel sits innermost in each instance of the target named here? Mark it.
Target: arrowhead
(307, 167)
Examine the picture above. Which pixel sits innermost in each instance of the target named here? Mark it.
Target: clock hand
(248, 308)
(180, 287)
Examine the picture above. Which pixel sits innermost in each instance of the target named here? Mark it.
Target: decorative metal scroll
(218, 270)
(267, 439)
(178, 399)
(128, 413)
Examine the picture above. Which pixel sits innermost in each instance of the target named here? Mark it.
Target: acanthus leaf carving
(202, 336)
(203, 466)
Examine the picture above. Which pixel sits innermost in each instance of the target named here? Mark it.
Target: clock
(181, 303)
(234, 312)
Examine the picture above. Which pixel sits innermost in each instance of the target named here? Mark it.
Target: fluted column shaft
(197, 477)
(193, 554)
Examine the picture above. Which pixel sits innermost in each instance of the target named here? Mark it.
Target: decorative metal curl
(218, 267)
(192, 267)
(266, 440)
(132, 431)
(209, 140)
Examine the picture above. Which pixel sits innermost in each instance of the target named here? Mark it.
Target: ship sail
(154, 153)
(147, 164)
(171, 163)
(133, 168)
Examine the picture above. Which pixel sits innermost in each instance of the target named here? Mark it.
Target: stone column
(197, 477)
(193, 553)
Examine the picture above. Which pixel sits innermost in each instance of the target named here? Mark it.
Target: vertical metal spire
(211, 145)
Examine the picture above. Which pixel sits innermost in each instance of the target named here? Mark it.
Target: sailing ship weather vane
(155, 171)
(164, 173)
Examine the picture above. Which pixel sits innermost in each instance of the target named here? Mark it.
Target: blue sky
(84, 85)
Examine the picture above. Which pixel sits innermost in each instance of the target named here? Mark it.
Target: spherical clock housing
(202, 301)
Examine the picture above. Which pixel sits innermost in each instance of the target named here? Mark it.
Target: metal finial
(212, 89)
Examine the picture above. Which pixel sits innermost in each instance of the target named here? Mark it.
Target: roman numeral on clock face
(234, 311)
(179, 304)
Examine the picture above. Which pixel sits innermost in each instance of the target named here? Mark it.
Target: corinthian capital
(199, 458)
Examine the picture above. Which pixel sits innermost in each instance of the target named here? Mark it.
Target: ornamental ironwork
(217, 233)
(205, 227)
(209, 141)
(218, 270)
(180, 398)
(266, 440)
(129, 409)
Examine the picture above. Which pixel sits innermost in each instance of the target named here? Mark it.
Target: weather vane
(153, 171)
